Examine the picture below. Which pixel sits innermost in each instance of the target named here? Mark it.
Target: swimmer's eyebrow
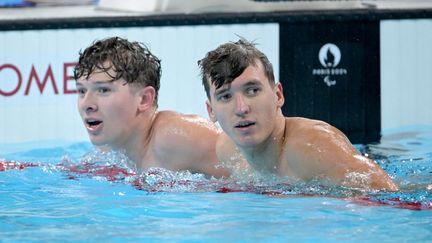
(95, 83)
(104, 82)
(222, 90)
(226, 88)
(252, 82)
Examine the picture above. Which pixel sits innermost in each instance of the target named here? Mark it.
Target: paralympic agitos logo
(329, 56)
(14, 80)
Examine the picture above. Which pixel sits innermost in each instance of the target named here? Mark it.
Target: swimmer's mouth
(92, 122)
(244, 124)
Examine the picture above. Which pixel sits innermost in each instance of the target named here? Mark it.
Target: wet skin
(123, 117)
(249, 112)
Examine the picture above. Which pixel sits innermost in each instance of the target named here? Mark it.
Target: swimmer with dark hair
(246, 101)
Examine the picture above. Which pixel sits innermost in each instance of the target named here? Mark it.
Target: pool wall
(38, 96)
(406, 72)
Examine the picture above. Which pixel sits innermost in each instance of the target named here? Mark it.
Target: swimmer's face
(107, 108)
(247, 108)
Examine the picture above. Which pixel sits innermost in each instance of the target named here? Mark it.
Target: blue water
(51, 202)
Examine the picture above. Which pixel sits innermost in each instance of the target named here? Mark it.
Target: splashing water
(404, 156)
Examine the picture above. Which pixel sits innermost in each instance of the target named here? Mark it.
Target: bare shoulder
(316, 141)
(185, 141)
(306, 123)
(173, 128)
(171, 119)
(201, 138)
(301, 130)
(312, 147)
(315, 149)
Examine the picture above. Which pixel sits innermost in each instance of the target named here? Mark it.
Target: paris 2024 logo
(329, 56)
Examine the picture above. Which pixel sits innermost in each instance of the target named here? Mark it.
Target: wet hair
(224, 64)
(131, 61)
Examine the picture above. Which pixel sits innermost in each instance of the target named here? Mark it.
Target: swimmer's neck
(266, 156)
(137, 145)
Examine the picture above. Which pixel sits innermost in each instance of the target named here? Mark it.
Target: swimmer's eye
(252, 91)
(81, 91)
(103, 90)
(224, 97)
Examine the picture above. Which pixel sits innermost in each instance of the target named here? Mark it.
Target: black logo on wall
(329, 56)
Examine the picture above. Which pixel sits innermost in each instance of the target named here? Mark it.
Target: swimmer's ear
(280, 99)
(210, 112)
(146, 98)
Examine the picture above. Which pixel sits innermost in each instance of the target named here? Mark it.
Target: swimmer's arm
(327, 153)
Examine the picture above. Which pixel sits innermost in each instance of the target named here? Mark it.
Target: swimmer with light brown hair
(118, 83)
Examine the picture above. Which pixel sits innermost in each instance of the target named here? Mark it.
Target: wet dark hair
(228, 61)
(131, 61)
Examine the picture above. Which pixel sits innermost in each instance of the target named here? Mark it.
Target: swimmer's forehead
(98, 76)
(104, 74)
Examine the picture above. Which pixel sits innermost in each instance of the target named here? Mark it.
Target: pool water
(68, 192)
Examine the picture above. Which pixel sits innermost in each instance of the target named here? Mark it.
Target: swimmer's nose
(91, 108)
(87, 103)
(242, 107)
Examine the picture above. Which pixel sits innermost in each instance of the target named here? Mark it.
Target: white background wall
(406, 72)
(47, 116)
